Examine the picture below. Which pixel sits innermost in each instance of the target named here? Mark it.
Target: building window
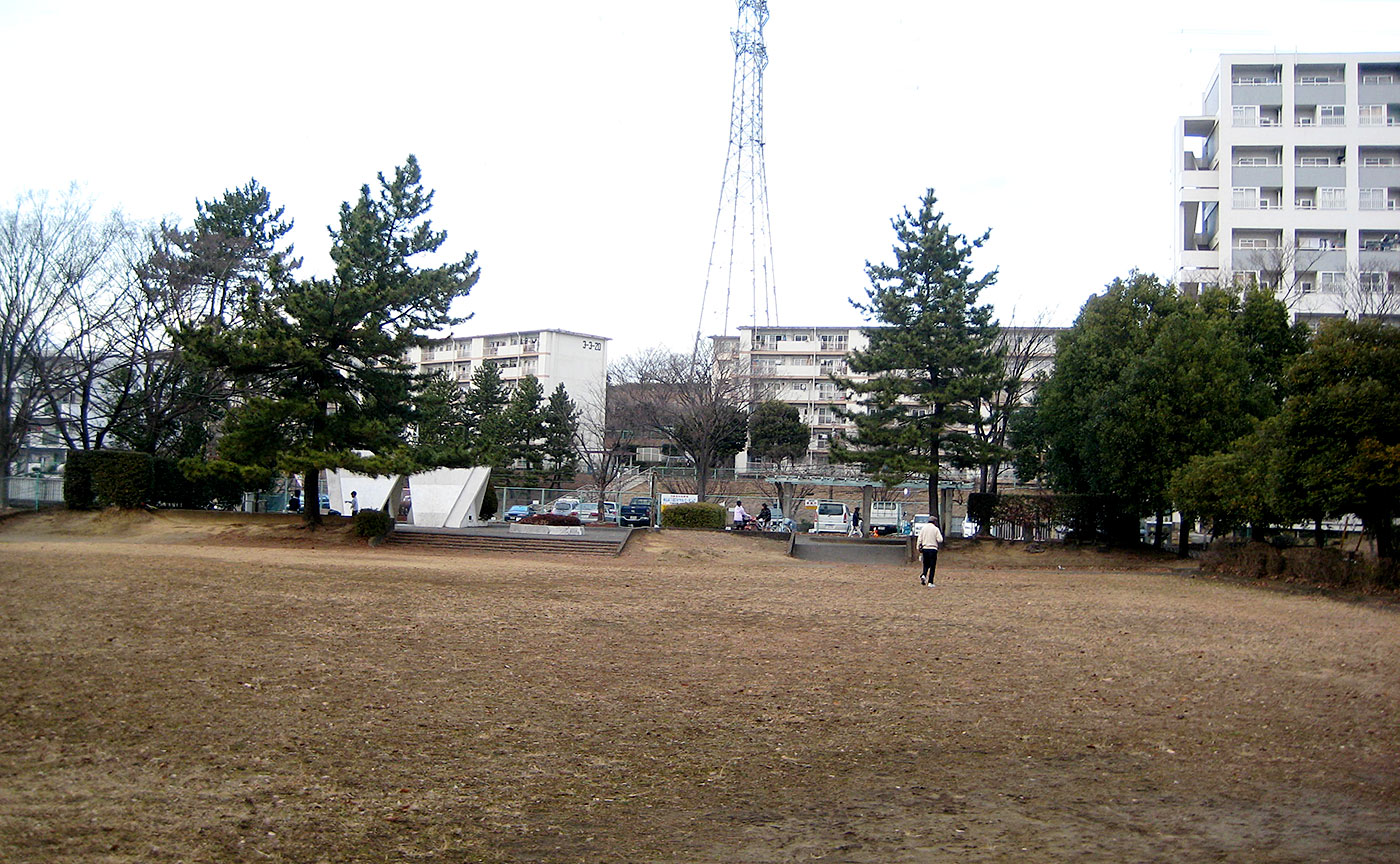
(1246, 115)
(1314, 161)
(1372, 199)
(1372, 281)
(1386, 78)
(1332, 115)
(1330, 282)
(1253, 243)
(1371, 115)
(1332, 198)
(1246, 197)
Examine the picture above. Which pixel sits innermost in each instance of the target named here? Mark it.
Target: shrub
(77, 481)
(107, 478)
(372, 523)
(551, 519)
(697, 515)
(981, 506)
(489, 503)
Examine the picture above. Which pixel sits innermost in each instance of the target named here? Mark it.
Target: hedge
(697, 515)
(107, 478)
(981, 508)
(551, 519)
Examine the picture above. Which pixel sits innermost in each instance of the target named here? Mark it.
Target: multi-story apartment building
(795, 365)
(1290, 176)
(579, 361)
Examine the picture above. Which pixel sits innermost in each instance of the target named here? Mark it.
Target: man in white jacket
(929, 540)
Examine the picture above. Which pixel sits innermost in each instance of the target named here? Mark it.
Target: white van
(833, 517)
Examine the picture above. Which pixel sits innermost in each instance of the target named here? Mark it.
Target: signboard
(669, 498)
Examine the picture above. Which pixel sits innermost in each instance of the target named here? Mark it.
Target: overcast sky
(578, 147)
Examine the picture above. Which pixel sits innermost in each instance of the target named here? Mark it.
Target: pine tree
(561, 426)
(327, 356)
(485, 408)
(932, 358)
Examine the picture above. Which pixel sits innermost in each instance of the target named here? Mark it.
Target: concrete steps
(514, 544)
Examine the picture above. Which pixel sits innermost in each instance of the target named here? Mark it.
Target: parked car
(588, 512)
(566, 507)
(610, 512)
(516, 513)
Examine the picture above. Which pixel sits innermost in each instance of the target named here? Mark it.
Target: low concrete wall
(815, 547)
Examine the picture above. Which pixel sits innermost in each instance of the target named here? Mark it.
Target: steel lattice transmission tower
(741, 252)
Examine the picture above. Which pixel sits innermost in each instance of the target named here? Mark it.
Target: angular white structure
(1290, 177)
(372, 493)
(448, 497)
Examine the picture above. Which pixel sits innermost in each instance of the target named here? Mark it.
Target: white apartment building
(1290, 176)
(794, 365)
(579, 361)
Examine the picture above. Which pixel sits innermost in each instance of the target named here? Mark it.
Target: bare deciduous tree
(690, 400)
(50, 251)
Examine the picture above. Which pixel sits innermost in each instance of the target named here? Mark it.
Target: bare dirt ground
(215, 688)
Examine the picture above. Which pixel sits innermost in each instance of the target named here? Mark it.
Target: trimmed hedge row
(107, 478)
(93, 479)
(697, 515)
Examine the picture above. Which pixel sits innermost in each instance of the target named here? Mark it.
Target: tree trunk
(1158, 538)
(1184, 543)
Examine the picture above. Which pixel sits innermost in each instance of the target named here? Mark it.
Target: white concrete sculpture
(372, 493)
(448, 497)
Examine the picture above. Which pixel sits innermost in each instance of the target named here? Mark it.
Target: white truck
(885, 517)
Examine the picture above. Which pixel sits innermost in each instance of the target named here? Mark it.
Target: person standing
(930, 538)
(354, 503)
(740, 517)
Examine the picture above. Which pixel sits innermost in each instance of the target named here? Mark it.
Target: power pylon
(741, 251)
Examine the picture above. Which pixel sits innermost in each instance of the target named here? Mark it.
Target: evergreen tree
(443, 428)
(561, 432)
(327, 356)
(485, 408)
(777, 433)
(932, 359)
(1144, 381)
(525, 422)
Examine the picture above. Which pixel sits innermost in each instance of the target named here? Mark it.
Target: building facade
(795, 364)
(1290, 177)
(579, 361)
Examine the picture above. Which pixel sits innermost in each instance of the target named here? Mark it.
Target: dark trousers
(930, 557)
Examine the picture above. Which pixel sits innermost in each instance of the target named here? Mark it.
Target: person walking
(930, 538)
(855, 523)
(354, 503)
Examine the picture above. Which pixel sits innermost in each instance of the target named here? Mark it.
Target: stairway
(508, 544)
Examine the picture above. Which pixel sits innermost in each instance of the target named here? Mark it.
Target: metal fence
(33, 492)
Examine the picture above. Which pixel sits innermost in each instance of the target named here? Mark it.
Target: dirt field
(221, 688)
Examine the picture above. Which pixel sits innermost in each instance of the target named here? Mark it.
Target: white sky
(579, 146)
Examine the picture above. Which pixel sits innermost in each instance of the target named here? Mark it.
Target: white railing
(33, 491)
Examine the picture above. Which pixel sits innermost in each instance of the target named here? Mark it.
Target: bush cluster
(107, 478)
(372, 523)
(982, 508)
(551, 519)
(698, 515)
